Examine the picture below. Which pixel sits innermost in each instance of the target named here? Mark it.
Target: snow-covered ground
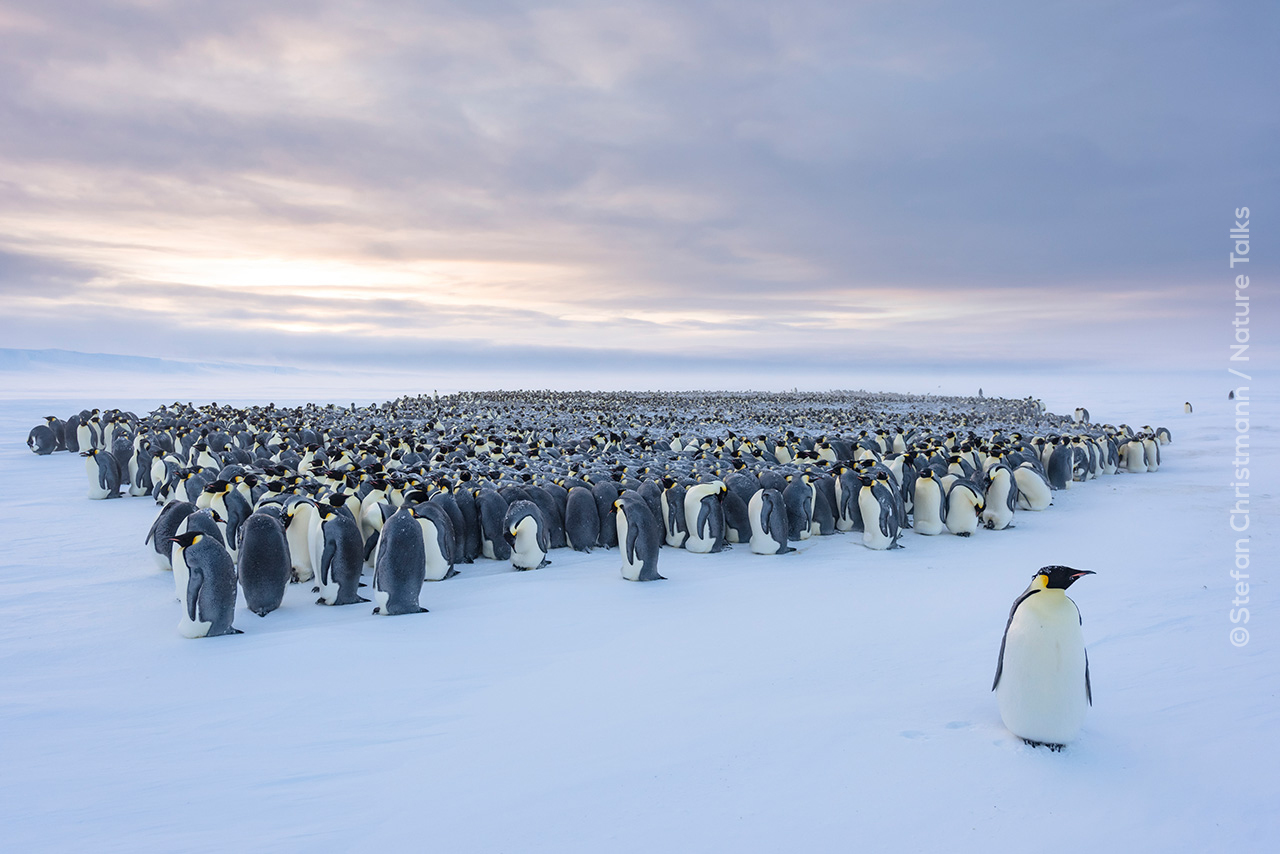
(833, 699)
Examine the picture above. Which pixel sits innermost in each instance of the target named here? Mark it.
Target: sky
(709, 188)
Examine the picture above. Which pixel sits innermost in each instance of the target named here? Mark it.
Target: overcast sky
(815, 185)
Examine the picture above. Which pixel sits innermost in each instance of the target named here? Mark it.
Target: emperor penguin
(799, 496)
(1133, 456)
(1034, 492)
(210, 595)
(1000, 498)
(341, 559)
(439, 540)
(581, 520)
(299, 516)
(928, 504)
(1151, 447)
(526, 533)
(1186, 407)
(493, 510)
(881, 526)
(401, 566)
(103, 472)
(164, 528)
(768, 514)
(964, 507)
(1042, 674)
(704, 517)
(263, 563)
(639, 538)
(673, 519)
(42, 440)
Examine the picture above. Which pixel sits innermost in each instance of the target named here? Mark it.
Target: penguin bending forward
(640, 537)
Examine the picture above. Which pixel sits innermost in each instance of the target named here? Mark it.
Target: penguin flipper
(1088, 689)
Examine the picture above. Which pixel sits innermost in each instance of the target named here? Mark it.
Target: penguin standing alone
(1042, 675)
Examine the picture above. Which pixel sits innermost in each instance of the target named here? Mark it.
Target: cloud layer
(725, 184)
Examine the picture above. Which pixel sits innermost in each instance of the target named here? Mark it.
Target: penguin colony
(407, 491)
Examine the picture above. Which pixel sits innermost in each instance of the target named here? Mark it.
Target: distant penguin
(929, 501)
(341, 560)
(1042, 674)
(210, 598)
(1000, 498)
(262, 562)
(639, 538)
(1186, 407)
(103, 472)
(164, 528)
(526, 533)
(704, 517)
(581, 520)
(401, 566)
(768, 514)
(881, 526)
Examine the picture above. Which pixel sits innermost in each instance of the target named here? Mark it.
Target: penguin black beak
(1080, 573)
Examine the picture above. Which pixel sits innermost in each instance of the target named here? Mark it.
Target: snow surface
(831, 699)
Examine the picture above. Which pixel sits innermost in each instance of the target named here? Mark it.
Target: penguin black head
(1058, 577)
(188, 539)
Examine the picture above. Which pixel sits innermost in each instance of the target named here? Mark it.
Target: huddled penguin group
(379, 500)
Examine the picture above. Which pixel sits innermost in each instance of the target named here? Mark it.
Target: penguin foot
(963, 534)
(1056, 748)
(377, 611)
(315, 589)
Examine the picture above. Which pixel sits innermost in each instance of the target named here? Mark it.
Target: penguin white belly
(869, 506)
(437, 563)
(180, 574)
(1042, 694)
(962, 513)
(1033, 492)
(761, 543)
(95, 488)
(486, 549)
(189, 628)
(928, 509)
(630, 569)
(526, 554)
(315, 543)
(843, 520)
(997, 515)
(298, 535)
(1151, 454)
